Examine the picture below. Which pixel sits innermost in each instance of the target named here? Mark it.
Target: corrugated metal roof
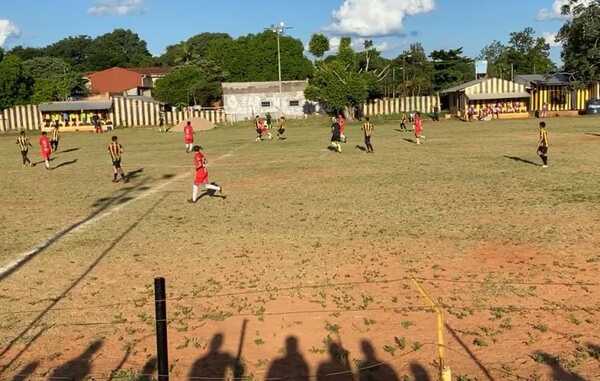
(76, 106)
(488, 96)
(558, 79)
(463, 86)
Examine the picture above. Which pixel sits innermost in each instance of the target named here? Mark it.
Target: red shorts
(46, 155)
(189, 140)
(418, 132)
(201, 176)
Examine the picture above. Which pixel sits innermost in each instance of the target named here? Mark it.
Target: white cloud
(358, 45)
(556, 12)
(7, 29)
(375, 17)
(551, 39)
(116, 7)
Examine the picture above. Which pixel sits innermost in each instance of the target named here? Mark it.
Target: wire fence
(141, 303)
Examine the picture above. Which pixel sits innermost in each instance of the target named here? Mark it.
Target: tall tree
(254, 58)
(26, 53)
(191, 85)
(74, 50)
(1, 54)
(495, 55)
(451, 68)
(580, 36)
(319, 45)
(15, 85)
(528, 53)
(45, 67)
(193, 49)
(415, 71)
(121, 47)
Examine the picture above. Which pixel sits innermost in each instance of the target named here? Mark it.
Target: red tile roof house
(127, 82)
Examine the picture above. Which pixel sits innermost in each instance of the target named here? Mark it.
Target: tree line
(346, 77)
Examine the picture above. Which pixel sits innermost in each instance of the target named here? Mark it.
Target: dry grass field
(310, 247)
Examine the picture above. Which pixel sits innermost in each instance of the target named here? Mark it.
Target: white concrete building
(246, 100)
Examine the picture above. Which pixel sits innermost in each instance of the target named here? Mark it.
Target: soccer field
(310, 244)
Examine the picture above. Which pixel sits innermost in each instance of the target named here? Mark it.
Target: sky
(392, 24)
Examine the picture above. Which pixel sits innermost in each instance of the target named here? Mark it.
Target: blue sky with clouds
(438, 24)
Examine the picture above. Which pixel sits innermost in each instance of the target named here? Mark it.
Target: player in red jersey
(201, 179)
(342, 122)
(188, 137)
(45, 149)
(418, 128)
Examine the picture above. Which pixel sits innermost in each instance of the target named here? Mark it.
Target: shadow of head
(419, 372)
(168, 176)
(291, 345)
(367, 350)
(216, 343)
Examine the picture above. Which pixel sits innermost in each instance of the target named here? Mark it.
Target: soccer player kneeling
(201, 180)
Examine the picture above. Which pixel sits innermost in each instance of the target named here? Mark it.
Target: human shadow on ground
(148, 371)
(292, 366)
(520, 160)
(65, 163)
(419, 373)
(216, 364)
(57, 299)
(78, 368)
(362, 148)
(67, 151)
(413, 141)
(401, 130)
(373, 369)
(134, 174)
(592, 134)
(559, 373)
(34, 163)
(337, 368)
(27, 371)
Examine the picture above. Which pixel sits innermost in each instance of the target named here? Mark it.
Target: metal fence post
(162, 349)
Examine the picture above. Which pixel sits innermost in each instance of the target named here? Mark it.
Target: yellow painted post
(445, 372)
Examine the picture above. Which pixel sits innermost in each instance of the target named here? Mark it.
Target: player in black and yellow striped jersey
(543, 144)
(24, 144)
(116, 151)
(54, 137)
(281, 128)
(368, 128)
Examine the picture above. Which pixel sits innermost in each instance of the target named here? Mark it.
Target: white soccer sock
(47, 164)
(212, 187)
(195, 189)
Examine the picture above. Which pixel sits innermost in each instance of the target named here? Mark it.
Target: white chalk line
(23, 257)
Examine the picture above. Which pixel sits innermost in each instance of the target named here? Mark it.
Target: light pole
(279, 29)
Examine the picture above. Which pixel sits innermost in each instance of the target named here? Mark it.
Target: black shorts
(281, 131)
(117, 163)
(543, 151)
(336, 138)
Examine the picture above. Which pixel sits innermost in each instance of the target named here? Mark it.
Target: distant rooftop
(557, 79)
(76, 106)
(231, 88)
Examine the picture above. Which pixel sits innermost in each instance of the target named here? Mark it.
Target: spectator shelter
(557, 92)
(76, 115)
(488, 97)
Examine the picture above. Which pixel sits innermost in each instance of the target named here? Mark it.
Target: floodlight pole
(279, 29)
(279, 63)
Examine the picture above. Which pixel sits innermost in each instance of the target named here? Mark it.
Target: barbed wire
(138, 303)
